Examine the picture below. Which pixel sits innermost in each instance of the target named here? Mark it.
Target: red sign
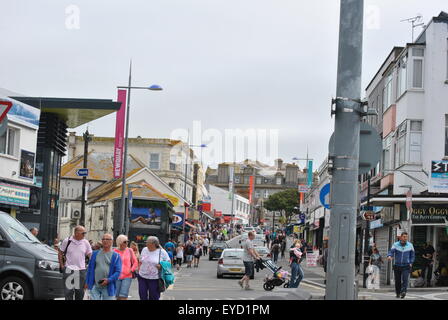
(207, 207)
(369, 215)
(5, 106)
(218, 213)
(251, 188)
(119, 135)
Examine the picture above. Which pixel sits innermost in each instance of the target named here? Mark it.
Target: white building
(18, 145)
(221, 201)
(410, 92)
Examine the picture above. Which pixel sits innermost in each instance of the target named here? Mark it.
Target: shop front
(430, 225)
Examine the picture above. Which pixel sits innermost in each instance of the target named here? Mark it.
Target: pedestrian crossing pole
(344, 185)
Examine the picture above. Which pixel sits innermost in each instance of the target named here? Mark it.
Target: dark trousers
(401, 278)
(275, 257)
(74, 284)
(148, 289)
(205, 250)
(428, 268)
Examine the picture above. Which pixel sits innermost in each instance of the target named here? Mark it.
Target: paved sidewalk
(316, 275)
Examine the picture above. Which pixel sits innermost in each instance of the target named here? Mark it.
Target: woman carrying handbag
(150, 283)
(375, 262)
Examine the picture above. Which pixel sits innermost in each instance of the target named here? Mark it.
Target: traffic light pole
(344, 186)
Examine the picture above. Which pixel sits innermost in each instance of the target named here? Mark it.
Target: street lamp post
(121, 225)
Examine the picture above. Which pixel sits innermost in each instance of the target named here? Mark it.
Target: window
(258, 180)
(447, 59)
(246, 180)
(257, 194)
(279, 180)
(446, 135)
(417, 67)
(237, 179)
(387, 92)
(401, 144)
(415, 142)
(173, 162)
(172, 185)
(9, 142)
(266, 194)
(154, 161)
(402, 76)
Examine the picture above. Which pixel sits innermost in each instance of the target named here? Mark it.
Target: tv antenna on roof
(415, 20)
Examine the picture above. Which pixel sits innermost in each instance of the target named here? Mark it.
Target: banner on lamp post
(251, 188)
(119, 135)
(231, 174)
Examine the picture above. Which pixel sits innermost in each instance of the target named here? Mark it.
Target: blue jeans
(123, 286)
(100, 293)
(296, 275)
(401, 274)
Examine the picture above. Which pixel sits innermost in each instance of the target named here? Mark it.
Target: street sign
(370, 148)
(409, 200)
(323, 193)
(368, 215)
(82, 172)
(304, 188)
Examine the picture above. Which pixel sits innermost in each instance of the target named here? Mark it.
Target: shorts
(123, 286)
(249, 268)
(189, 257)
(179, 261)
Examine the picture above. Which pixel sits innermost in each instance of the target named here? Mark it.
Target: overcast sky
(261, 64)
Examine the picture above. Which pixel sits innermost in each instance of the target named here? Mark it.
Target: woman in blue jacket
(103, 271)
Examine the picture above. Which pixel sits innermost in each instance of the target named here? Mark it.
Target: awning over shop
(389, 201)
(75, 112)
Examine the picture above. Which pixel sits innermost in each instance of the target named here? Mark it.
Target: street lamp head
(203, 146)
(155, 87)
(295, 158)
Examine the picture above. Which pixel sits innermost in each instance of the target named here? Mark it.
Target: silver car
(231, 263)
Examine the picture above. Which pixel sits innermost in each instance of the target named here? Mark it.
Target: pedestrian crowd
(106, 272)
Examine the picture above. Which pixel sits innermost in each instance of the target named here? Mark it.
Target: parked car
(249, 229)
(231, 263)
(216, 250)
(28, 268)
(264, 252)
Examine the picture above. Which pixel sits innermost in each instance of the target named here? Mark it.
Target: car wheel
(219, 276)
(14, 288)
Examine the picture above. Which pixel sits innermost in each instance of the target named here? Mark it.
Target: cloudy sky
(247, 64)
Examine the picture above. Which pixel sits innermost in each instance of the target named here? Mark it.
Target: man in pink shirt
(74, 251)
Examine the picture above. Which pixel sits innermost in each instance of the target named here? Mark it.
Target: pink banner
(119, 135)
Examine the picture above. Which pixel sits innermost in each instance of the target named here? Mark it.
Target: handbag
(162, 286)
(369, 269)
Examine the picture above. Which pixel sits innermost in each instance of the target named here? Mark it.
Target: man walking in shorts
(250, 255)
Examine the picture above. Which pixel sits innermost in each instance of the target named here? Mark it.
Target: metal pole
(84, 179)
(122, 216)
(185, 184)
(341, 263)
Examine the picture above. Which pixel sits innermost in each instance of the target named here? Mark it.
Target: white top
(180, 253)
(150, 260)
(206, 242)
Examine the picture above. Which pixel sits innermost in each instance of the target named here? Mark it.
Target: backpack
(167, 273)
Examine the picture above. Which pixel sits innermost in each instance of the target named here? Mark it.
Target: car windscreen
(233, 254)
(262, 250)
(219, 245)
(16, 230)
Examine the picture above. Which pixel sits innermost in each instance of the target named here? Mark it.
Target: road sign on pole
(84, 172)
(323, 194)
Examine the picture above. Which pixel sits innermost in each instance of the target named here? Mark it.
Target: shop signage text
(429, 213)
(14, 195)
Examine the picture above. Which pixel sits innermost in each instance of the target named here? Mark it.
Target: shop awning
(389, 201)
(75, 112)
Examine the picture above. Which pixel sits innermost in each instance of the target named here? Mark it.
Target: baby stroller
(279, 277)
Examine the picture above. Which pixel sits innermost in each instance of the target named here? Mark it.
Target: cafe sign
(424, 214)
(14, 195)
